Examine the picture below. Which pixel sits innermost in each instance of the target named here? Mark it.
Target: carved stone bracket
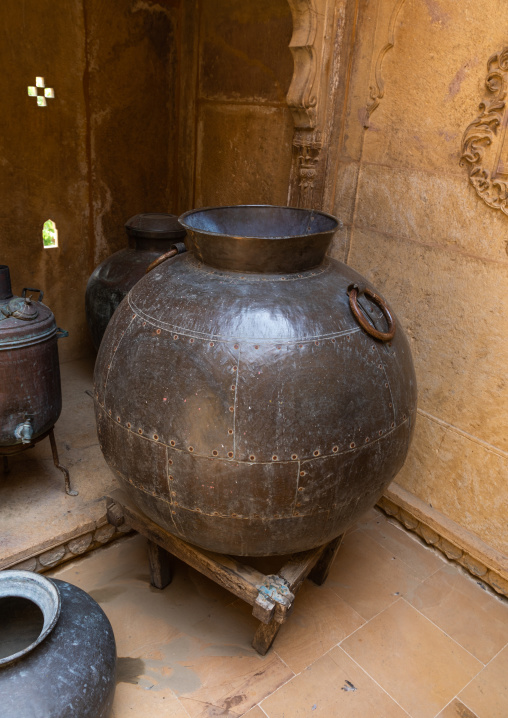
(302, 97)
(318, 30)
(305, 99)
(377, 84)
(484, 144)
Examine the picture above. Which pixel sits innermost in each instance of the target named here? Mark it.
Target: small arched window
(49, 234)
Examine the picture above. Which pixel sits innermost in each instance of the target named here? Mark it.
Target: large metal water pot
(255, 396)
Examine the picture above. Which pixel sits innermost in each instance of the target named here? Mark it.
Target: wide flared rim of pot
(39, 590)
(259, 238)
(185, 219)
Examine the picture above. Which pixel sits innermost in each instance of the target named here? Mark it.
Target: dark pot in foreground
(57, 650)
(150, 235)
(255, 397)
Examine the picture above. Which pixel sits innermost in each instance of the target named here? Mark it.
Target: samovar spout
(24, 431)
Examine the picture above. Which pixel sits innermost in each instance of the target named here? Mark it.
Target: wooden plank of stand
(235, 577)
(241, 580)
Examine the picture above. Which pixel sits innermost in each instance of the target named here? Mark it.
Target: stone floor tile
(319, 621)
(255, 712)
(372, 515)
(231, 685)
(133, 701)
(468, 613)
(421, 560)
(456, 709)
(414, 661)
(117, 578)
(368, 576)
(333, 686)
(487, 694)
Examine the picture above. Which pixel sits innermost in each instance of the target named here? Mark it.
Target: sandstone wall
(416, 227)
(102, 149)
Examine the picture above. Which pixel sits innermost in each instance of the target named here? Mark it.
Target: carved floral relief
(485, 141)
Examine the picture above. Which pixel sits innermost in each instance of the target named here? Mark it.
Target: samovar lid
(154, 225)
(23, 320)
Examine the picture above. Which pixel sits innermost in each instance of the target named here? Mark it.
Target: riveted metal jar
(150, 234)
(31, 398)
(256, 396)
(57, 650)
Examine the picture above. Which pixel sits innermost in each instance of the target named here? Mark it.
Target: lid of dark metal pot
(155, 225)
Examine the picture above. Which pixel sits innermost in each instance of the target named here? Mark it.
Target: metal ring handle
(172, 253)
(360, 317)
(31, 289)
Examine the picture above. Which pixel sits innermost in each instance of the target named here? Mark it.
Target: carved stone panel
(485, 141)
(307, 170)
(320, 32)
(306, 101)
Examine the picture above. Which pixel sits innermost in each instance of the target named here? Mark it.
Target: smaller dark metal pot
(150, 235)
(57, 650)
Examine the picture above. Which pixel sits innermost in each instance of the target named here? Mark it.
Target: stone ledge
(457, 543)
(71, 548)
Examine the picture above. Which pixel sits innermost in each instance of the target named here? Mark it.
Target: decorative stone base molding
(458, 544)
(67, 549)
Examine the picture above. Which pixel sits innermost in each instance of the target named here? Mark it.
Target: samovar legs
(56, 461)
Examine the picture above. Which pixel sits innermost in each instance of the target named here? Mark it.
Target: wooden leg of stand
(320, 572)
(160, 565)
(265, 636)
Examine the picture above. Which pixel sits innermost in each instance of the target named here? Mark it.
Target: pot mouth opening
(259, 238)
(260, 221)
(29, 609)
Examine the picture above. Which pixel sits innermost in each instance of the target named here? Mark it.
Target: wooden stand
(271, 596)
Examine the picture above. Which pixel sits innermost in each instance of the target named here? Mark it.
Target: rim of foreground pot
(38, 590)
